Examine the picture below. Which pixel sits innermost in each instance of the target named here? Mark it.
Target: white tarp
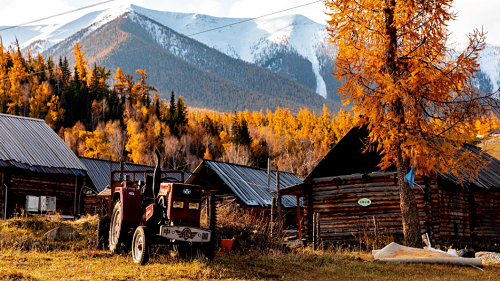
(398, 253)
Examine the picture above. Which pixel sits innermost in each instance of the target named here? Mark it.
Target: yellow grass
(491, 146)
(303, 265)
(20, 259)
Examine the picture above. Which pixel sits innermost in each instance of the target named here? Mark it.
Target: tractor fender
(131, 203)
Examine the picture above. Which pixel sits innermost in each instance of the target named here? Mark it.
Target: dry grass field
(24, 255)
(302, 265)
(491, 146)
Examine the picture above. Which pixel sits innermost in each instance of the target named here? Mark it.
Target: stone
(85, 226)
(62, 233)
(489, 257)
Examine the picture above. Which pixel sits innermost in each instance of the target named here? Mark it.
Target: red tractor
(158, 210)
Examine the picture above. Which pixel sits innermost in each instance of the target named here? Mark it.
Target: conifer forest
(119, 116)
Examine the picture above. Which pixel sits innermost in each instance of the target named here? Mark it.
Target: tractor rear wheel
(140, 245)
(103, 232)
(119, 240)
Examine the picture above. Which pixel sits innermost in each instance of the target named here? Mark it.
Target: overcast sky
(471, 13)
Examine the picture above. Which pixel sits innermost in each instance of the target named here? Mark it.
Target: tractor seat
(147, 188)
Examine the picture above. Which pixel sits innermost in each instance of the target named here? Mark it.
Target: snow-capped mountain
(488, 78)
(292, 46)
(258, 41)
(254, 41)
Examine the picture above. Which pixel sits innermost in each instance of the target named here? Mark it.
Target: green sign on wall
(364, 202)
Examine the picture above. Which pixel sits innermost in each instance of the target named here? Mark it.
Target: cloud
(21, 11)
(477, 14)
(256, 8)
(210, 7)
(206, 7)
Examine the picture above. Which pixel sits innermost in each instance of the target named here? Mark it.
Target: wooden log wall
(264, 214)
(447, 212)
(450, 213)
(342, 218)
(486, 215)
(470, 215)
(93, 205)
(2, 194)
(61, 186)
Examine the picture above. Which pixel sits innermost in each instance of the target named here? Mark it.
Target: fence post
(318, 230)
(314, 231)
(278, 203)
(273, 214)
(376, 232)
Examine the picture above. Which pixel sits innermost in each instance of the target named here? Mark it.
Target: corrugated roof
(250, 184)
(30, 143)
(486, 178)
(100, 172)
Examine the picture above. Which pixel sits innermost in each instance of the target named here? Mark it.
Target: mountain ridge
(219, 87)
(292, 46)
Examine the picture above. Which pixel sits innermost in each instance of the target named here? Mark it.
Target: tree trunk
(409, 210)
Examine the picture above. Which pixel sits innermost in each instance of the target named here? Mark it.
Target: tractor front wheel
(119, 240)
(208, 249)
(141, 245)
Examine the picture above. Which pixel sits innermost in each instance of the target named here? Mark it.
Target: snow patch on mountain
(248, 39)
(252, 40)
(490, 65)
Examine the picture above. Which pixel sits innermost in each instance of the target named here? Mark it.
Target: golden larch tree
(398, 70)
(81, 64)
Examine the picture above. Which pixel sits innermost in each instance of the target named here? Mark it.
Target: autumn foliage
(127, 121)
(415, 91)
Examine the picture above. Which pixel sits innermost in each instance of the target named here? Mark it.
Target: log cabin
(339, 185)
(36, 162)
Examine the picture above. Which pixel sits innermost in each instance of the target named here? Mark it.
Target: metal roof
(30, 143)
(486, 178)
(250, 184)
(100, 172)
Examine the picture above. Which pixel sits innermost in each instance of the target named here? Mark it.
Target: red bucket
(227, 244)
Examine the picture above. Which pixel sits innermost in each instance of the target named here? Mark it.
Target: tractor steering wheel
(170, 179)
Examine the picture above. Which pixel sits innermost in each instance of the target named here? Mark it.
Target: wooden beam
(278, 194)
(299, 217)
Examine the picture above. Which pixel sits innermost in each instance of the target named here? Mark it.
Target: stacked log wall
(2, 194)
(452, 221)
(486, 215)
(93, 204)
(61, 186)
(447, 212)
(341, 217)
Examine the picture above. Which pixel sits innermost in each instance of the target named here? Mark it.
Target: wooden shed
(447, 210)
(35, 161)
(247, 186)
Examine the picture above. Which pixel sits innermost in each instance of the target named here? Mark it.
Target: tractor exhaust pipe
(157, 175)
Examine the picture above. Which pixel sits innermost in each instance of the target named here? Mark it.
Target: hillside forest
(126, 121)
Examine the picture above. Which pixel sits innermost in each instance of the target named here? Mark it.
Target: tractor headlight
(178, 204)
(194, 206)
